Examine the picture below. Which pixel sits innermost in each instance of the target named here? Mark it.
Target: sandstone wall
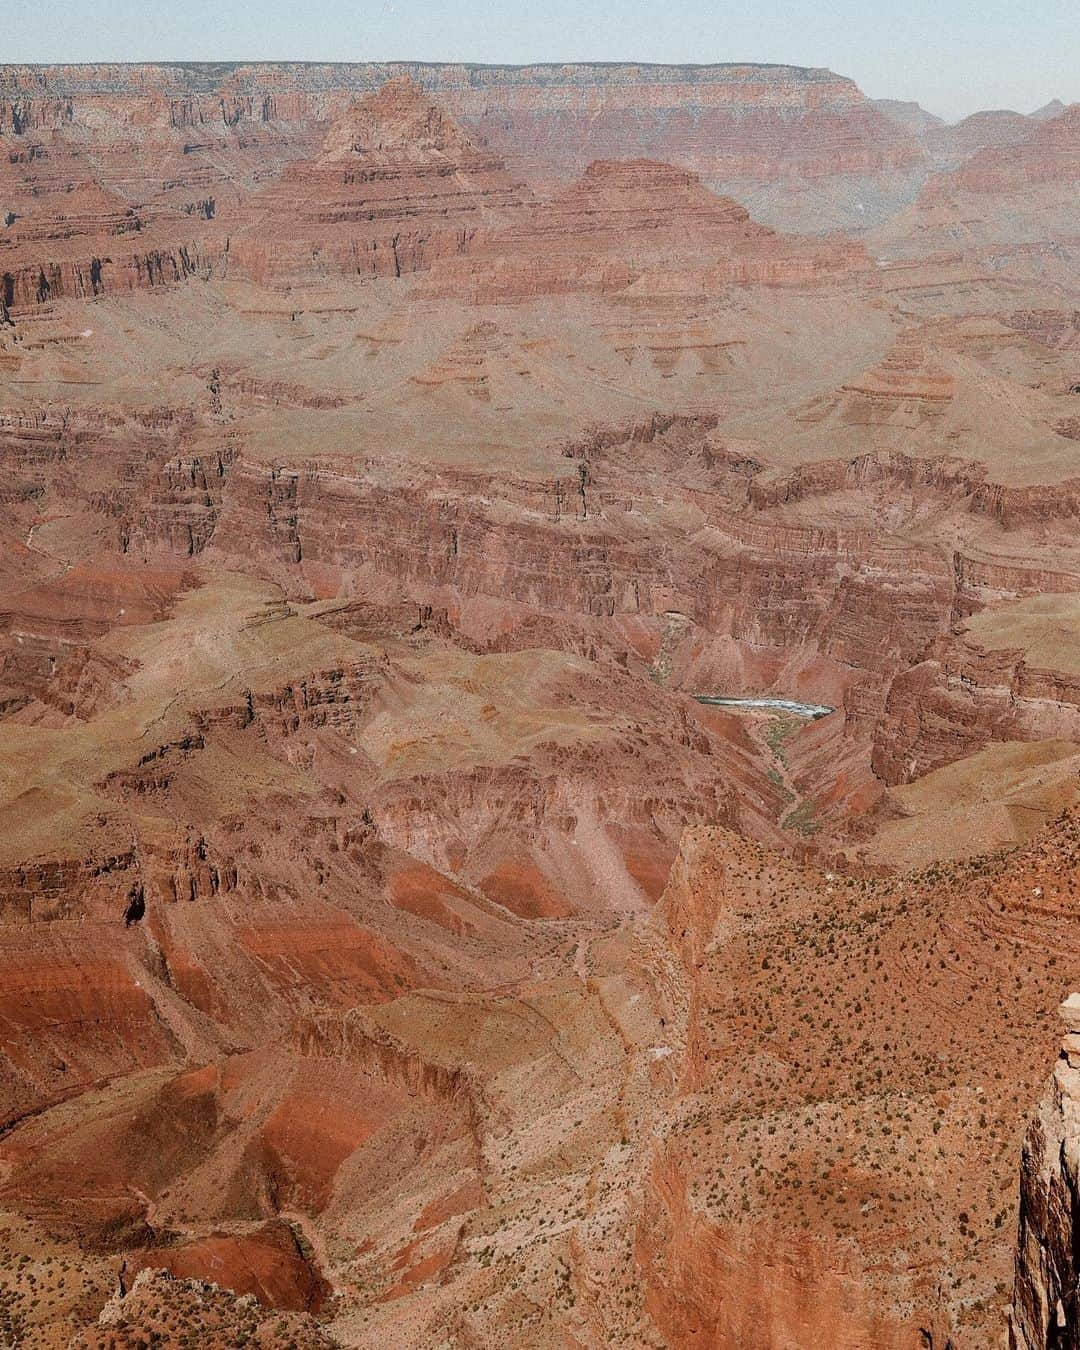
(1045, 1310)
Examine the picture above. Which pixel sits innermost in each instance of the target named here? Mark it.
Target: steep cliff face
(1017, 189)
(722, 121)
(1045, 1315)
(644, 229)
(835, 1077)
(174, 153)
(571, 550)
(1049, 154)
(733, 124)
(740, 581)
(396, 185)
(1009, 675)
(66, 234)
(132, 185)
(952, 145)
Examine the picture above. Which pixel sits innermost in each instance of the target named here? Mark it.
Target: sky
(952, 56)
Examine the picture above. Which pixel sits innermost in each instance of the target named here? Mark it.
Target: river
(788, 705)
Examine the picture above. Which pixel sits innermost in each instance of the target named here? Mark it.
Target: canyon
(432, 499)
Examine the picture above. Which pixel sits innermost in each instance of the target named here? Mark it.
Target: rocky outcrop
(180, 508)
(23, 115)
(910, 116)
(908, 388)
(267, 1264)
(396, 186)
(964, 694)
(994, 130)
(68, 235)
(722, 121)
(533, 544)
(985, 581)
(1016, 194)
(1045, 1311)
(1050, 154)
(29, 284)
(777, 1138)
(640, 227)
(153, 1304)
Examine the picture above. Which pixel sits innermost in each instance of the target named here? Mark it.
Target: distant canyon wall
(722, 121)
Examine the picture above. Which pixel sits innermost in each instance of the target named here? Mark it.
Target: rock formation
(403, 940)
(1049, 155)
(644, 228)
(728, 123)
(396, 186)
(1014, 190)
(985, 131)
(1044, 1309)
(964, 694)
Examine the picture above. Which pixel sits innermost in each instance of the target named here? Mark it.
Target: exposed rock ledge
(1046, 1306)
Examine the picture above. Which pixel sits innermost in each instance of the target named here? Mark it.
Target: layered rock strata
(963, 694)
(723, 121)
(396, 186)
(1044, 1309)
(642, 228)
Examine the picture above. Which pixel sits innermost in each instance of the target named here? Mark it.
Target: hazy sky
(953, 56)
